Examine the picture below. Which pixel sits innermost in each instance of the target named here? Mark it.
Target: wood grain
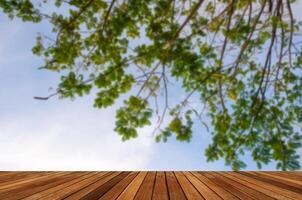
(189, 190)
(131, 190)
(160, 191)
(137, 185)
(146, 189)
(175, 190)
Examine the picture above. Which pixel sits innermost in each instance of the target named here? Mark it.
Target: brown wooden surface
(151, 185)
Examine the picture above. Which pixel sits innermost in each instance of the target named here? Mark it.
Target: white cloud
(70, 140)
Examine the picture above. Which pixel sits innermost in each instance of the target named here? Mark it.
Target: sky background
(72, 135)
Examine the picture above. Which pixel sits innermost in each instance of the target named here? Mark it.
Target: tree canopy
(242, 59)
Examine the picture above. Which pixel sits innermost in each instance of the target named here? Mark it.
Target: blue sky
(72, 135)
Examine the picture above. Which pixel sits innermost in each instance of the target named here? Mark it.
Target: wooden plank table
(143, 185)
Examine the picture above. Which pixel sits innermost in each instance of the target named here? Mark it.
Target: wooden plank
(297, 186)
(151, 185)
(29, 178)
(102, 189)
(4, 173)
(146, 189)
(131, 190)
(223, 184)
(278, 190)
(160, 191)
(22, 175)
(293, 173)
(273, 182)
(65, 192)
(114, 192)
(234, 176)
(243, 188)
(189, 190)
(174, 189)
(26, 188)
(82, 191)
(76, 180)
(36, 186)
(5, 177)
(283, 178)
(203, 189)
(224, 194)
(24, 182)
(291, 176)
